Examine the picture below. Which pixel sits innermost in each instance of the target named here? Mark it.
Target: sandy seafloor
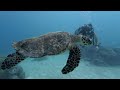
(50, 68)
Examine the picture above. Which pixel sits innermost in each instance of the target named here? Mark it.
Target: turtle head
(84, 40)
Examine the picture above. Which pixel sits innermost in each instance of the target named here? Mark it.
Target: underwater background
(105, 64)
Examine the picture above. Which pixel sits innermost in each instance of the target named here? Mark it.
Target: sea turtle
(49, 44)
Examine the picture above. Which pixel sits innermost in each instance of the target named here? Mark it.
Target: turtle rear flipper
(12, 60)
(73, 60)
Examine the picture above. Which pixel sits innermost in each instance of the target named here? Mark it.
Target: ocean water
(19, 25)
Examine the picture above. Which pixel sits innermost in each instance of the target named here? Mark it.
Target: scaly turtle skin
(49, 44)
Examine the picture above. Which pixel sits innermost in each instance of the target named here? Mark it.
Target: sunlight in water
(86, 15)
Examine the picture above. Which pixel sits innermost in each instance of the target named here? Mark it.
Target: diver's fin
(12, 60)
(73, 60)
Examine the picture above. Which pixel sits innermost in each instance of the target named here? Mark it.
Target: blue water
(18, 25)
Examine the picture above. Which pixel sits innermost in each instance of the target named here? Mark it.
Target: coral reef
(103, 56)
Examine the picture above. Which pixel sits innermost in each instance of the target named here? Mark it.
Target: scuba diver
(88, 30)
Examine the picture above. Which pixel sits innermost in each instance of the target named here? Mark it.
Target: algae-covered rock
(13, 73)
(103, 56)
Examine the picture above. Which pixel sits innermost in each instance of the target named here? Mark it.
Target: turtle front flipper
(12, 60)
(73, 60)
